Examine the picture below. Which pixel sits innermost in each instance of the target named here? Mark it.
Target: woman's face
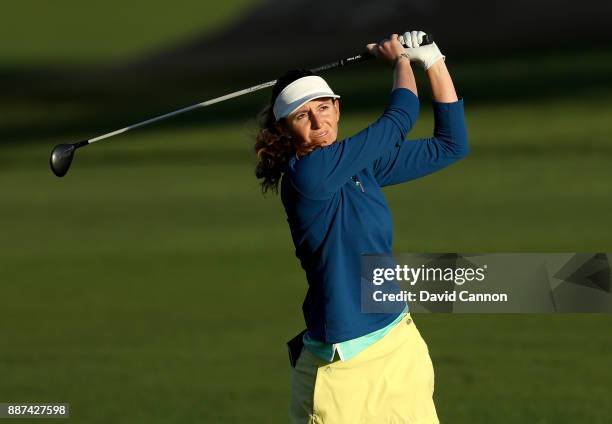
(315, 123)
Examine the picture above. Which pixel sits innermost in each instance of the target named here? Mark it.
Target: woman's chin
(323, 143)
(320, 143)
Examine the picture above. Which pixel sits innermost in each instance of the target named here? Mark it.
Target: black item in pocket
(294, 347)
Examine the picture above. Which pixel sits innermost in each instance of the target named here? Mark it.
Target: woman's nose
(314, 121)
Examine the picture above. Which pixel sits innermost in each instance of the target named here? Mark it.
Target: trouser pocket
(294, 348)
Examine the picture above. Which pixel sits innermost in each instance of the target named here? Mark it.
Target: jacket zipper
(358, 183)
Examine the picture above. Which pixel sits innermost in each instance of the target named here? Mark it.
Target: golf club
(63, 154)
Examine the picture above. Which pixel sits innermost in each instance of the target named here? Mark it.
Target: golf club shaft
(180, 111)
(427, 39)
(341, 63)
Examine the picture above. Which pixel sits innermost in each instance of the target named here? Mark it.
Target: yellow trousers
(390, 382)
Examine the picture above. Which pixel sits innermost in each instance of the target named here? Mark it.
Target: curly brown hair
(273, 148)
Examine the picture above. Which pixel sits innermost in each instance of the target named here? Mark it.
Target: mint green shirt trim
(349, 348)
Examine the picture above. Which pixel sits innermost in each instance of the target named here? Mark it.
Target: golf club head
(61, 158)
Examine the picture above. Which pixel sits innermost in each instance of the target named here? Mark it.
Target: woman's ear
(337, 106)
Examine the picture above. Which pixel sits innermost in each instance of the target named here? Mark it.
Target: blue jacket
(337, 212)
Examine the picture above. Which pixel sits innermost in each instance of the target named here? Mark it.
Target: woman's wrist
(439, 67)
(403, 57)
(403, 75)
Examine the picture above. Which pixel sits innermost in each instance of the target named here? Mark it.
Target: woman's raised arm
(442, 88)
(392, 52)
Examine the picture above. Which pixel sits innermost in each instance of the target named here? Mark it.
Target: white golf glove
(425, 55)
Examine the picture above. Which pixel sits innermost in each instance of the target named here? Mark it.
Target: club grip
(427, 39)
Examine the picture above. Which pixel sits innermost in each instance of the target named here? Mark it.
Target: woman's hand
(425, 55)
(389, 49)
(392, 52)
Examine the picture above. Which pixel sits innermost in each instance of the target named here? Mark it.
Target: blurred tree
(287, 31)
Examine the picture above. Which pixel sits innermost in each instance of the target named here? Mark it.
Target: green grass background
(75, 32)
(154, 283)
(163, 290)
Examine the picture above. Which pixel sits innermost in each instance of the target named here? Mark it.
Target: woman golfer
(349, 366)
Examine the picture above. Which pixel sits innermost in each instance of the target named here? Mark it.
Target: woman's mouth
(319, 135)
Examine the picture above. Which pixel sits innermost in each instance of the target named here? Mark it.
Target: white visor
(300, 92)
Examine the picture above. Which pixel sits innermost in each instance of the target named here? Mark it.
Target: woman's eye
(324, 107)
(300, 116)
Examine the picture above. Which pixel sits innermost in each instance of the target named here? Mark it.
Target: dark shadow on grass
(107, 102)
(221, 157)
